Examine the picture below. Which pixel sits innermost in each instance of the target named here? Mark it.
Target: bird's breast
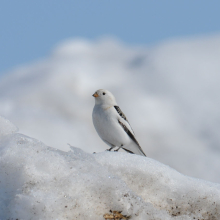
(102, 119)
(107, 126)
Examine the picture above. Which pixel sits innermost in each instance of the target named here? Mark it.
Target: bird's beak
(95, 95)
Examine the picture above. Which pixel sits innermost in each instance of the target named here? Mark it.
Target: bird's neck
(106, 106)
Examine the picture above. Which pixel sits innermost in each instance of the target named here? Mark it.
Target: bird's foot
(109, 149)
(118, 148)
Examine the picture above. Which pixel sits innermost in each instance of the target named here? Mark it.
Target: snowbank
(40, 182)
(6, 127)
(169, 93)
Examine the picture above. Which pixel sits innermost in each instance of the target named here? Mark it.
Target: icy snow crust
(40, 182)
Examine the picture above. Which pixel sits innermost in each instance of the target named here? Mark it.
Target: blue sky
(30, 29)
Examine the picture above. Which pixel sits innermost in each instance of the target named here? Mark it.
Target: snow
(6, 127)
(169, 93)
(41, 182)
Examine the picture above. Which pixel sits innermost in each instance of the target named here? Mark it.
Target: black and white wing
(123, 116)
(127, 128)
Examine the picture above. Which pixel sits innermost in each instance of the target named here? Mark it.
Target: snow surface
(6, 127)
(40, 182)
(169, 93)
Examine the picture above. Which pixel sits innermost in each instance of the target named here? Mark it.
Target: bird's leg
(118, 148)
(110, 148)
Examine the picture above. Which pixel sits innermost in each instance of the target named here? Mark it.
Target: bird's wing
(131, 136)
(122, 115)
(122, 120)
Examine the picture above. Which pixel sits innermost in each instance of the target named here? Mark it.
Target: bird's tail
(134, 149)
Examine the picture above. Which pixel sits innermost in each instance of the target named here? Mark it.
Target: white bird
(112, 125)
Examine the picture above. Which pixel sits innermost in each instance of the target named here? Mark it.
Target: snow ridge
(41, 182)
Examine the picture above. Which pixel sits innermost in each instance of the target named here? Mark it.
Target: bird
(112, 125)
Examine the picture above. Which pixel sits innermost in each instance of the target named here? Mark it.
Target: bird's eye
(103, 93)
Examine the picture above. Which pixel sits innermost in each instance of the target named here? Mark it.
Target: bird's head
(104, 97)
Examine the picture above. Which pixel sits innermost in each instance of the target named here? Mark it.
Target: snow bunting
(112, 125)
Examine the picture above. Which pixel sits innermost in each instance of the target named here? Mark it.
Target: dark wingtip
(128, 150)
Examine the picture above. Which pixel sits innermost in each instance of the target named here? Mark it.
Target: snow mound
(40, 182)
